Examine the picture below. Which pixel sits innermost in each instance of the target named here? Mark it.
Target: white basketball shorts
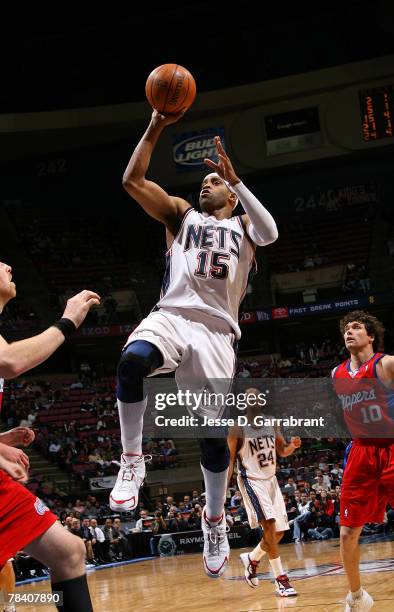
(199, 347)
(263, 499)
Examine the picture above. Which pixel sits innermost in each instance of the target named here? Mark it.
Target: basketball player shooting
(368, 481)
(255, 448)
(193, 328)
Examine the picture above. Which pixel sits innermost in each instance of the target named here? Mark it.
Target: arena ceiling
(89, 53)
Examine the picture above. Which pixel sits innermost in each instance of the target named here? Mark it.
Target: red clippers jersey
(368, 405)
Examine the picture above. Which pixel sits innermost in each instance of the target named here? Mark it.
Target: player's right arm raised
(153, 199)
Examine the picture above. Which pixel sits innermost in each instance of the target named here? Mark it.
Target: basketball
(170, 88)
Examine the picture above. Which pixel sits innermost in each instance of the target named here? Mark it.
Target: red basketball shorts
(368, 485)
(23, 517)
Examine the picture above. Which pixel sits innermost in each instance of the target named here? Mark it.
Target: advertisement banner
(183, 542)
(289, 312)
(191, 148)
(102, 483)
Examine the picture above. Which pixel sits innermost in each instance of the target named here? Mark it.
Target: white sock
(277, 568)
(357, 594)
(215, 493)
(131, 419)
(257, 553)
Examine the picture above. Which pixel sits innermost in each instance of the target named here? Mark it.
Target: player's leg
(270, 544)
(350, 553)
(64, 554)
(139, 359)
(7, 585)
(215, 459)
(359, 504)
(208, 363)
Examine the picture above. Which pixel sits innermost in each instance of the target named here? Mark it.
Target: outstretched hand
(224, 167)
(296, 442)
(18, 436)
(78, 306)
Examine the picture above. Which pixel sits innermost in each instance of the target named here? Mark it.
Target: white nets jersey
(257, 455)
(207, 267)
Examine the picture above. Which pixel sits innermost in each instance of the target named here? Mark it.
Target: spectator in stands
(243, 372)
(290, 486)
(319, 484)
(54, 448)
(159, 524)
(172, 524)
(236, 498)
(88, 540)
(139, 526)
(100, 552)
(303, 514)
(68, 523)
(195, 517)
(337, 472)
(195, 498)
(167, 505)
(120, 543)
(229, 518)
(187, 502)
(111, 538)
(182, 521)
(76, 527)
(320, 523)
(79, 506)
(291, 506)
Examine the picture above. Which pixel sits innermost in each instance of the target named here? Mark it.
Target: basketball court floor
(179, 583)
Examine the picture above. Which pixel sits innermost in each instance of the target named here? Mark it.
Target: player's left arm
(387, 369)
(260, 224)
(283, 448)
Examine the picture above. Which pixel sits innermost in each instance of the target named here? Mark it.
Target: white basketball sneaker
(360, 604)
(124, 495)
(216, 547)
(251, 568)
(283, 586)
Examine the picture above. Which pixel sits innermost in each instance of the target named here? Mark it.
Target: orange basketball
(170, 88)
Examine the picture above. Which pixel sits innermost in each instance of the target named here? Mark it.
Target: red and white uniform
(368, 482)
(23, 517)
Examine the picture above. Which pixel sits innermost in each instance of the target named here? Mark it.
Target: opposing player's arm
(283, 448)
(234, 441)
(259, 223)
(153, 198)
(387, 370)
(18, 357)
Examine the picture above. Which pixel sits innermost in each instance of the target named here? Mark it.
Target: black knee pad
(215, 455)
(138, 360)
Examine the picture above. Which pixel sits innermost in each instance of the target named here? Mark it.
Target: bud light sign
(191, 148)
